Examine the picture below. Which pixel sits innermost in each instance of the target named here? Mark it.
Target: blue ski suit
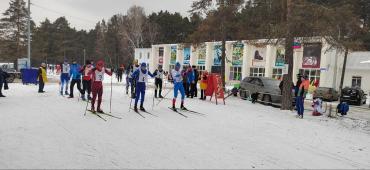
(141, 77)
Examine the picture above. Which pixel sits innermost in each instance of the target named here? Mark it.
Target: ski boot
(93, 110)
(83, 98)
(155, 94)
(61, 93)
(1, 95)
(89, 98)
(183, 107)
(135, 109)
(142, 108)
(66, 93)
(99, 110)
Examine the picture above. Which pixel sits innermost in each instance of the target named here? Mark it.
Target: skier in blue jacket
(76, 79)
(178, 86)
(141, 76)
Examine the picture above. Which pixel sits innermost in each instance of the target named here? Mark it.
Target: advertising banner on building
(173, 54)
(311, 55)
(280, 57)
(202, 54)
(259, 58)
(187, 52)
(160, 55)
(217, 58)
(237, 57)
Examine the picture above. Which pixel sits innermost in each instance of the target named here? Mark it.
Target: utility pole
(84, 56)
(29, 34)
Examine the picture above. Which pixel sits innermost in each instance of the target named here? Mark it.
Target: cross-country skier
(64, 77)
(178, 86)
(141, 78)
(76, 79)
(97, 75)
(135, 67)
(86, 80)
(159, 73)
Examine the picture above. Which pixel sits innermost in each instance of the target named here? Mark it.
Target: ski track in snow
(50, 131)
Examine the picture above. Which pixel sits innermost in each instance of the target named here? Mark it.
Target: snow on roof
(359, 60)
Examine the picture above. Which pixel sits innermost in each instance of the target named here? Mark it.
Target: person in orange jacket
(302, 92)
(203, 85)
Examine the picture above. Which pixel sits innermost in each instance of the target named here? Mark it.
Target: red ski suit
(97, 78)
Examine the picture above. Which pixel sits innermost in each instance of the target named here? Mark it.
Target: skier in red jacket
(97, 77)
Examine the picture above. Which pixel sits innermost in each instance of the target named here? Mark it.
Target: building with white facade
(258, 58)
(144, 55)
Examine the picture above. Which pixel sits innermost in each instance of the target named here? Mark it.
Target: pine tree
(13, 28)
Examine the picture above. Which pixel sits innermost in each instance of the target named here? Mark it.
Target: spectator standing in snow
(196, 79)
(203, 85)
(3, 76)
(299, 82)
(191, 82)
(42, 77)
(302, 92)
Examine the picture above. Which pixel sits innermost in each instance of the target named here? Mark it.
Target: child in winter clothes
(203, 85)
(97, 77)
(343, 108)
(317, 107)
(141, 78)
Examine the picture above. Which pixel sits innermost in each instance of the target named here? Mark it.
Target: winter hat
(100, 65)
(178, 64)
(143, 65)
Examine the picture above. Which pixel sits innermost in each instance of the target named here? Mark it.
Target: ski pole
(111, 92)
(87, 104)
(129, 109)
(164, 97)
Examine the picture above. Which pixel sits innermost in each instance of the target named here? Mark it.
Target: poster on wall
(311, 55)
(187, 52)
(202, 54)
(160, 55)
(237, 58)
(217, 55)
(173, 54)
(259, 57)
(280, 57)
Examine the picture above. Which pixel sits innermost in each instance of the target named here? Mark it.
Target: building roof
(359, 60)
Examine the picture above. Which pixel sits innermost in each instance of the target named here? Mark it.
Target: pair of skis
(185, 110)
(103, 113)
(141, 115)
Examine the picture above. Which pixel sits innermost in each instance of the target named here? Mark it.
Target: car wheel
(11, 78)
(359, 102)
(266, 99)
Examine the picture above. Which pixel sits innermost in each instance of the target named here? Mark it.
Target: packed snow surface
(51, 131)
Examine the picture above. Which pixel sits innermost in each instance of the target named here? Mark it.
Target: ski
(150, 113)
(94, 113)
(191, 111)
(177, 112)
(110, 115)
(138, 113)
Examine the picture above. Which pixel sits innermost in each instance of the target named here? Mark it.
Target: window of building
(356, 81)
(313, 74)
(148, 56)
(257, 72)
(235, 73)
(277, 73)
(141, 55)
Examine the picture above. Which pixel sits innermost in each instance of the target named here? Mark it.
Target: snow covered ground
(50, 131)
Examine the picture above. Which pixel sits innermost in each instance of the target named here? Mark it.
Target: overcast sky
(84, 14)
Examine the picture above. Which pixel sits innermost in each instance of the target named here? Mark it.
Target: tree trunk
(343, 71)
(286, 102)
(223, 61)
